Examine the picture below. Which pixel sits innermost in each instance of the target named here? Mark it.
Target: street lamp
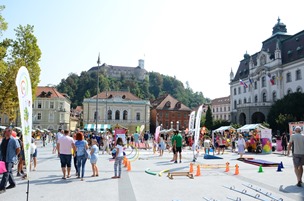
(177, 125)
(97, 89)
(171, 124)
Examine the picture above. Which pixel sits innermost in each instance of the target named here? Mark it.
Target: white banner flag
(24, 88)
(198, 124)
(191, 122)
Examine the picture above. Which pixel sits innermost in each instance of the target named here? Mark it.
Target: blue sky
(195, 40)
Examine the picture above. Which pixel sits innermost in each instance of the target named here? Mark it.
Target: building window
(61, 106)
(249, 100)
(264, 97)
(288, 77)
(224, 117)
(160, 114)
(95, 116)
(228, 108)
(289, 91)
(178, 115)
(299, 89)
(224, 109)
(221, 109)
(263, 81)
(51, 117)
(217, 109)
(39, 116)
(167, 124)
(256, 99)
(274, 96)
(185, 115)
(166, 115)
(117, 115)
(234, 90)
(39, 105)
(235, 104)
(239, 90)
(125, 115)
(274, 79)
(51, 105)
(245, 100)
(213, 110)
(240, 101)
(298, 75)
(255, 85)
(138, 117)
(109, 114)
(244, 89)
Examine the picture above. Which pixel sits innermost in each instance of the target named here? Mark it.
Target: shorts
(35, 154)
(298, 160)
(65, 160)
(21, 155)
(222, 146)
(179, 149)
(284, 147)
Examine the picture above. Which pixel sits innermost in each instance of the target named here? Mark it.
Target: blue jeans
(81, 161)
(8, 176)
(118, 161)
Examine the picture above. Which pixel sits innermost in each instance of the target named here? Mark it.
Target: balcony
(259, 104)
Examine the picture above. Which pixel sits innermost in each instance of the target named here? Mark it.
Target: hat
(298, 127)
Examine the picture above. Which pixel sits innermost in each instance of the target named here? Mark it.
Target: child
(94, 157)
(118, 158)
(162, 146)
(54, 146)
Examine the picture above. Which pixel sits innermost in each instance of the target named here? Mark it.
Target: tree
(219, 122)
(209, 119)
(288, 109)
(24, 52)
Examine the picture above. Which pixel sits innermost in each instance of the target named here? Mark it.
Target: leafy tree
(209, 119)
(219, 122)
(288, 109)
(23, 51)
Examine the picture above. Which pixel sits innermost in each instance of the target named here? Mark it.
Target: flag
(198, 125)
(250, 81)
(191, 122)
(270, 79)
(24, 88)
(243, 83)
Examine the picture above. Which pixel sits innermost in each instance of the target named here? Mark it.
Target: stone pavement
(46, 183)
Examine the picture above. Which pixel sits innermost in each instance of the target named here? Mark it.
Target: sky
(196, 41)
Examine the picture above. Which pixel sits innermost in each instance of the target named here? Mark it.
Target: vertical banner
(142, 128)
(198, 124)
(191, 122)
(24, 89)
(266, 136)
(156, 136)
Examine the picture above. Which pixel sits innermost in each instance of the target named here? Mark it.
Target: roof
(122, 94)
(122, 68)
(168, 102)
(221, 101)
(291, 46)
(43, 92)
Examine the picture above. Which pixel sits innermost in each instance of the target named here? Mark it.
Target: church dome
(279, 27)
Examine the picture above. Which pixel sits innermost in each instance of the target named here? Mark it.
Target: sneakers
(18, 174)
(175, 162)
(10, 187)
(299, 184)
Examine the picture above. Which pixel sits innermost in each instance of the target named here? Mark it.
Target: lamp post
(171, 124)
(97, 89)
(177, 125)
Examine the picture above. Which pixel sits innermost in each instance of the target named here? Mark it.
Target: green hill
(83, 86)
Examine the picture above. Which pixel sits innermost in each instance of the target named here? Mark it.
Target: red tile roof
(168, 102)
(221, 101)
(53, 90)
(111, 94)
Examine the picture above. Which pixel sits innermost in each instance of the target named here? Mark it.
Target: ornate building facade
(117, 107)
(220, 108)
(266, 76)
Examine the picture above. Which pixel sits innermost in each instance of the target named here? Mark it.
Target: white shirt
(120, 151)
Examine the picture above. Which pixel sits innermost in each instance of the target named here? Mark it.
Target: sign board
(293, 125)
(266, 135)
(121, 133)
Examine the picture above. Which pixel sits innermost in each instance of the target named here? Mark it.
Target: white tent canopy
(223, 128)
(2, 127)
(249, 127)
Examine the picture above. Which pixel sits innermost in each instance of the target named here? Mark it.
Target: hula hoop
(164, 171)
(136, 153)
(149, 172)
(130, 153)
(136, 157)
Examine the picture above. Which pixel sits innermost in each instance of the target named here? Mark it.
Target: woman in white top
(118, 158)
(241, 145)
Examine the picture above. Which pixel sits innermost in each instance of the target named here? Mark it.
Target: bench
(178, 174)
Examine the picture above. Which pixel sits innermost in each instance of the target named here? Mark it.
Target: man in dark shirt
(10, 148)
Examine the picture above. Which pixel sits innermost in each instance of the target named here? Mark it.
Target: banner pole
(28, 190)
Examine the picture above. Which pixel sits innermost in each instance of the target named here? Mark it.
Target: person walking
(136, 139)
(241, 145)
(284, 144)
(297, 141)
(118, 158)
(94, 158)
(81, 148)
(9, 149)
(178, 144)
(64, 146)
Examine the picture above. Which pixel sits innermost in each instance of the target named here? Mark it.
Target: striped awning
(100, 127)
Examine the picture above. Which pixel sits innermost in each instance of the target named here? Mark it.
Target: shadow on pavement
(292, 189)
(51, 179)
(99, 180)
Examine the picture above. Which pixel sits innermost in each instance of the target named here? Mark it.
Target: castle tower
(231, 75)
(141, 63)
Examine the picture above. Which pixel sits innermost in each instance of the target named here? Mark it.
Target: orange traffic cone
(227, 167)
(191, 168)
(129, 166)
(237, 171)
(126, 163)
(198, 171)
